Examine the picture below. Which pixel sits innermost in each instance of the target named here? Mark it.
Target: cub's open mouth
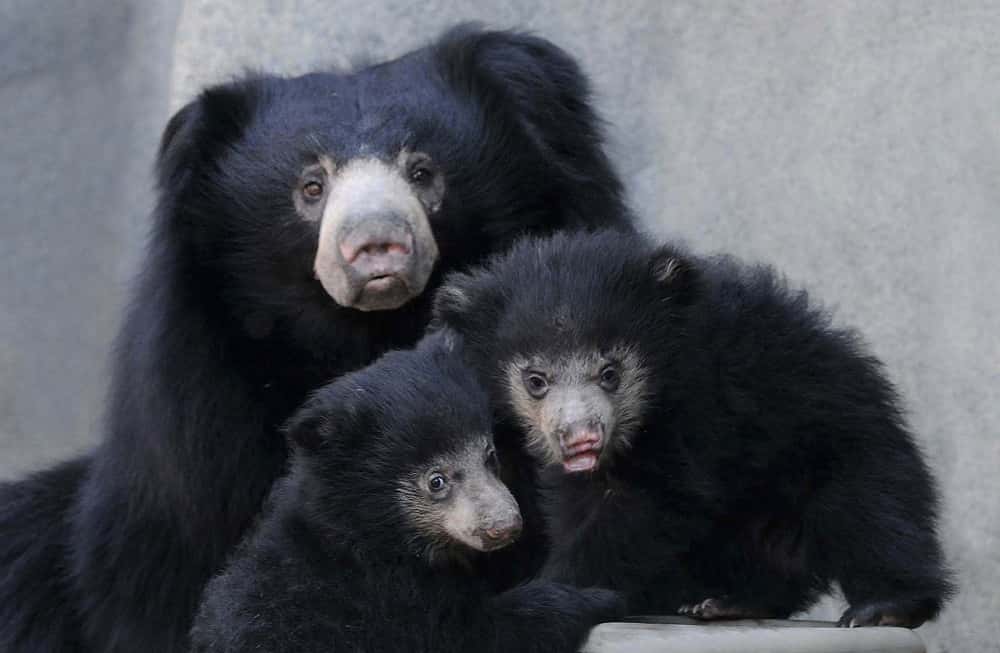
(584, 457)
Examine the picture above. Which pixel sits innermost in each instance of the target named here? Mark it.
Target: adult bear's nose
(375, 249)
(376, 246)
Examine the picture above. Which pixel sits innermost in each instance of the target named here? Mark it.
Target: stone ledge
(682, 635)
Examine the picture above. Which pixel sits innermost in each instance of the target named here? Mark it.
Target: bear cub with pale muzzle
(369, 543)
(708, 442)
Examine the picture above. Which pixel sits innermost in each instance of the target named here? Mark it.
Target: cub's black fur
(749, 454)
(353, 553)
(228, 330)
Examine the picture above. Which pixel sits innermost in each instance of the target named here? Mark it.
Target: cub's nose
(499, 535)
(581, 436)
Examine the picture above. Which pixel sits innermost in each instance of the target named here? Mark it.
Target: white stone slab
(680, 635)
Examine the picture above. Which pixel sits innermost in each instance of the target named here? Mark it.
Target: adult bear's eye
(437, 483)
(610, 378)
(312, 190)
(421, 176)
(492, 462)
(536, 384)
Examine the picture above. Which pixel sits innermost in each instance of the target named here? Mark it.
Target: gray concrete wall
(83, 96)
(854, 144)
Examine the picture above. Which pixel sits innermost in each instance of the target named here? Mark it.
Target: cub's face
(457, 498)
(576, 334)
(402, 452)
(578, 407)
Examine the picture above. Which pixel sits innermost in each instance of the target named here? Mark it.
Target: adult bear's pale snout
(376, 250)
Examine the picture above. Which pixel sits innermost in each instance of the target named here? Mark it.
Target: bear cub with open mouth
(368, 543)
(711, 443)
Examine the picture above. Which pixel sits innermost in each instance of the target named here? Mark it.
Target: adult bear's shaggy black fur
(228, 330)
(725, 451)
(357, 550)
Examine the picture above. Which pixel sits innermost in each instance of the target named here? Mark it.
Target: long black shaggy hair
(339, 562)
(764, 455)
(228, 330)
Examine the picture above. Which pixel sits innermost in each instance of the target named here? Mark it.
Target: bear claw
(713, 608)
(722, 608)
(878, 614)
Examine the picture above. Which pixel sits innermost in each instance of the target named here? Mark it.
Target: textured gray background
(854, 144)
(84, 92)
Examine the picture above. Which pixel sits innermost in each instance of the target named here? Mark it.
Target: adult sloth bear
(300, 223)
(713, 445)
(367, 544)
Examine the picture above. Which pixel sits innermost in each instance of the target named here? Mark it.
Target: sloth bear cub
(712, 444)
(367, 543)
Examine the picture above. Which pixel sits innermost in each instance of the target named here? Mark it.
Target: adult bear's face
(375, 247)
(356, 190)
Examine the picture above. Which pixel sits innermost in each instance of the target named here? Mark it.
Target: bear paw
(719, 608)
(905, 614)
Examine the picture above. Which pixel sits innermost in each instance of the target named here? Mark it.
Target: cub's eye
(421, 175)
(610, 378)
(536, 384)
(312, 190)
(492, 462)
(437, 483)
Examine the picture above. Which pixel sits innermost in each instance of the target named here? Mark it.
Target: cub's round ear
(331, 414)
(455, 302)
(307, 427)
(444, 339)
(675, 272)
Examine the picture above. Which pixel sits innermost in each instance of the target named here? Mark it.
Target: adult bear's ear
(178, 145)
(530, 81)
(674, 271)
(200, 129)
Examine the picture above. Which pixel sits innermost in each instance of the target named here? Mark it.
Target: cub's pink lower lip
(583, 447)
(584, 462)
